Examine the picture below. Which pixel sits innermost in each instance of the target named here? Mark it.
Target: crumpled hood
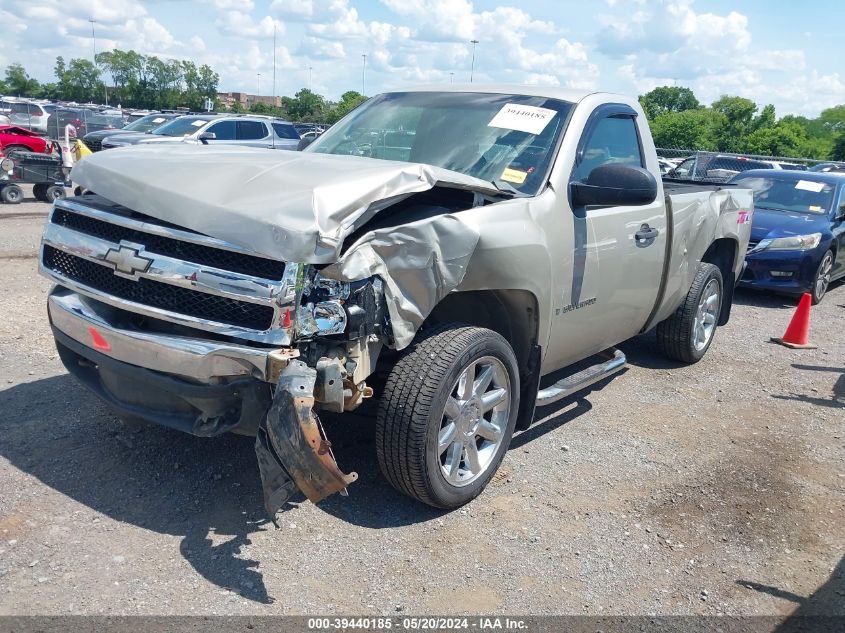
(292, 206)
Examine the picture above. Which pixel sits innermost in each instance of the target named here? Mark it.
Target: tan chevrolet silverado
(441, 249)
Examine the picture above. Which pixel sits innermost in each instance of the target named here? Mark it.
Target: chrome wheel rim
(823, 279)
(474, 421)
(707, 315)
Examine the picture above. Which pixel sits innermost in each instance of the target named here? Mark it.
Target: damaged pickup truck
(442, 249)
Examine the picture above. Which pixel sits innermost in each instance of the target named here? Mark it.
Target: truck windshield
(503, 138)
(801, 196)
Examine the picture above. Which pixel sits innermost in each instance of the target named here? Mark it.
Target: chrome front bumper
(88, 322)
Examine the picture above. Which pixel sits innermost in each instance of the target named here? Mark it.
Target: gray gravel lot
(715, 488)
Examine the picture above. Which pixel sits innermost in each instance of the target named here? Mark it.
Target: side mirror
(614, 186)
(305, 141)
(205, 137)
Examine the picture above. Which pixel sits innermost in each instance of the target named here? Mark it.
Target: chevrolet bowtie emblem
(127, 262)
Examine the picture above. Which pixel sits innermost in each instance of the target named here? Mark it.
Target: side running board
(582, 379)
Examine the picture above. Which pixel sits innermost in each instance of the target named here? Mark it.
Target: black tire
(412, 409)
(39, 190)
(11, 194)
(676, 335)
(825, 267)
(55, 192)
(15, 148)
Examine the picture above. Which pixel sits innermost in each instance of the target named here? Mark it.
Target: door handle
(645, 235)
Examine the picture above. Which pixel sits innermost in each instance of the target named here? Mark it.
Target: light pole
(309, 77)
(451, 78)
(363, 69)
(258, 96)
(94, 47)
(472, 68)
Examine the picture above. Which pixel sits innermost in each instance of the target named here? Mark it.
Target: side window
(223, 130)
(284, 130)
(251, 130)
(613, 140)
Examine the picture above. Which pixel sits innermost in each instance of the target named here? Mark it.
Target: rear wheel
(687, 334)
(40, 192)
(822, 279)
(11, 194)
(55, 192)
(447, 414)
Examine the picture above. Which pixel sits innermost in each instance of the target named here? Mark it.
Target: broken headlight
(336, 307)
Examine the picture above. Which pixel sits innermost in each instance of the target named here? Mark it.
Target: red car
(13, 137)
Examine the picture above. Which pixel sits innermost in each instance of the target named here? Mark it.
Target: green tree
(838, 151)
(738, 114)
(833, 118)
(668, 99)
(305, 106)
(19, 83)
(689, 129)
(261, 108)
(349, 100)
(782, 139)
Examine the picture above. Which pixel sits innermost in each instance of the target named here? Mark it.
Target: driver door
(612, 273)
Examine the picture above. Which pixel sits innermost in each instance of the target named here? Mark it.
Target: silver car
(28, 114)
(252, 131)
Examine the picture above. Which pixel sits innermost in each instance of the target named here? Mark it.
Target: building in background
(228, 99)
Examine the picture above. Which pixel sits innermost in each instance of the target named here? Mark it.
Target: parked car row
(224, 129)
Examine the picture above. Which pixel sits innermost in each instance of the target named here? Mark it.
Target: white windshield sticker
(809, 185)
(198, 123)
(159, 120)
(522, 118)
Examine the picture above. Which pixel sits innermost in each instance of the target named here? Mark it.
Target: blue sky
(773, 52)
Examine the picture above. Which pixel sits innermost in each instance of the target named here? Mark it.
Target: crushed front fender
(291, 448)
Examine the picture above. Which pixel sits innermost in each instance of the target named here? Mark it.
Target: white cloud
(240, 24)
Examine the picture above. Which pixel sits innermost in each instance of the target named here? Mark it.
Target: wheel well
(722, 253)
(511, 313)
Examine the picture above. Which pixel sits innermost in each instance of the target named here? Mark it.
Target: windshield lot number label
(522, 118)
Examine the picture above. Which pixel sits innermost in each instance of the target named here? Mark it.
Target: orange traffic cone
(797, 333)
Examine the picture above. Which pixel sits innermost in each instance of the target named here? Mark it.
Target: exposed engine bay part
(291, 446)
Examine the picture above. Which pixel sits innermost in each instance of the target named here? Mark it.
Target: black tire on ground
(820, 285)
(676, 336)
(39, 190)
(11, 194)
(412, 410)
(55, 192)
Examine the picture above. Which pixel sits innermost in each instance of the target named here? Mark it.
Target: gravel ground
(715, 488)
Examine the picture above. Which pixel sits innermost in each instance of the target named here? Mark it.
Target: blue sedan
(798, 231)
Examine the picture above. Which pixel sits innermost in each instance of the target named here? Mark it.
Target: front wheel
(687, 334)
(822, 279)
(54, 193)
(447, 414)
(11, 194)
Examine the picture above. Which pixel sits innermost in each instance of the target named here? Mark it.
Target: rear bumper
(197, 386)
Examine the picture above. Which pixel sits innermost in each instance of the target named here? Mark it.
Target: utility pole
(274, 63)
(94, 47)
(363, 69)
(472, 68)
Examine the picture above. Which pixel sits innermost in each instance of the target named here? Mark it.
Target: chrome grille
(139, 265)
(158, 295)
